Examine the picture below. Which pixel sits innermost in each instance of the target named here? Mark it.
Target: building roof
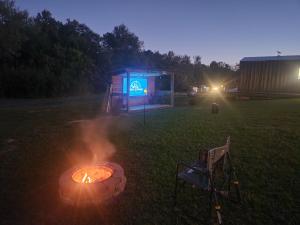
(139, 72)
(272, 58)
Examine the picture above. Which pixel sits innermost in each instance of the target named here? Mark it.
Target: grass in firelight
(37, 144)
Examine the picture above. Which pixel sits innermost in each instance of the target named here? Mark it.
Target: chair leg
(175, 193)
(229, 183)
(237, 190)
(210, 205)
(210, 199)
(236, 186)
(176, 184)
(217, 209)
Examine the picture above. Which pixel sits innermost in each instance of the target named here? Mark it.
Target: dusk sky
(221, 30)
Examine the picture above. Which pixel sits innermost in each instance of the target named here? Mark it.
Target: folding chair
(203, 175)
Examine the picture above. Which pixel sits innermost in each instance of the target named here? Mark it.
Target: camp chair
(203, 175)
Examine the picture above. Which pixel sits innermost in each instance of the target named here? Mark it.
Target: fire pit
(91, 184)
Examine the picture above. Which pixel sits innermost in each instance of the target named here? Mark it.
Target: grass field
(37, 143)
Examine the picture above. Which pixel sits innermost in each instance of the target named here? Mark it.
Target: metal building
(278, 75)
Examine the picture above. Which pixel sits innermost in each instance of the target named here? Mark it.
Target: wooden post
(128, 90)
(172, 89)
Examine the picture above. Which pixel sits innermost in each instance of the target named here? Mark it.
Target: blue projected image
(137, 86)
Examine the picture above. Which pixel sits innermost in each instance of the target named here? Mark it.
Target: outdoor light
(299, 74)
(215, 88)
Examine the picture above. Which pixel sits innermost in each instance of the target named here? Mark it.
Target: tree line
(43, 57)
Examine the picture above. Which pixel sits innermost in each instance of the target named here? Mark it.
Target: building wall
(117, 82)
(269, 77)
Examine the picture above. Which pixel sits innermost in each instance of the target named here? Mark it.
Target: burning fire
(92, 174)
(91, 184)
(86, 179)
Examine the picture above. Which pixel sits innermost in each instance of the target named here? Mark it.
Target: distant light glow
(299, 74)
(195, 89)
(215, 88)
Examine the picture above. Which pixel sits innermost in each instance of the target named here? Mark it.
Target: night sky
(222, 30)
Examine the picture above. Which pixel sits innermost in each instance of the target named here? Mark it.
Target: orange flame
(86, 179)
(92, 174)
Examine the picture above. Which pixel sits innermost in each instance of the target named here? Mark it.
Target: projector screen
(138, 86)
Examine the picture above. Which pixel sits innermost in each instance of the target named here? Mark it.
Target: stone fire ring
(98, 192)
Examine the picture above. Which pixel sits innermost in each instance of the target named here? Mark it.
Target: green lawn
(38, 143)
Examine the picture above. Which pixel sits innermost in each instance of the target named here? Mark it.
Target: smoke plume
(95, 137)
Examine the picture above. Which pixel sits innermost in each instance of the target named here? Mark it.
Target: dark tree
(43, 57)
(123, 47)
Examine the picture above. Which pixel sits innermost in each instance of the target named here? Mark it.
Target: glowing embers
(92, 174)
(91, 184)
